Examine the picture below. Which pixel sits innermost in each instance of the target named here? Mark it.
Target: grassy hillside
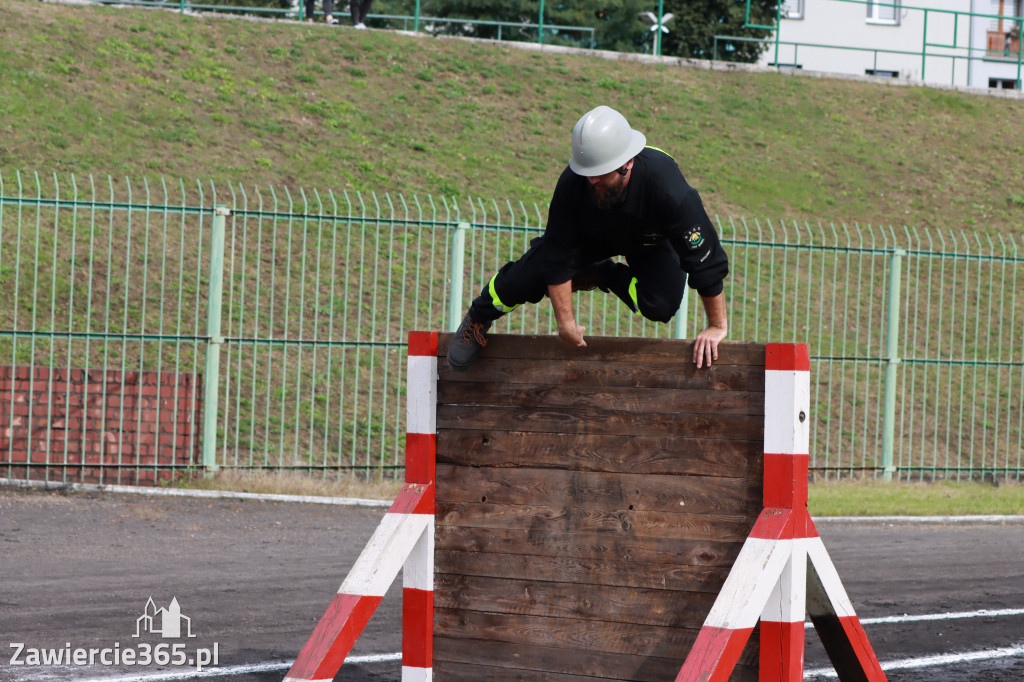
(146, 93)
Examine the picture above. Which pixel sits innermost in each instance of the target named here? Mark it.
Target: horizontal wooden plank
(596, 665)
(598, 373)
(609, 421)
(450, 671)
(584, 572)
(635, 605)
(672, 455)
(708, 553)
(621, 398)
(585, 490)
(723, 527)
(599, 452)
(610, 349)
(453, 671)
(580, 636)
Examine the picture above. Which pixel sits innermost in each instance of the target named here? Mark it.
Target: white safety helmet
(602, 141)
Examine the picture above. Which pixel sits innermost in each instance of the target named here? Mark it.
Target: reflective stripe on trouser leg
(632, 296)
(496, 300)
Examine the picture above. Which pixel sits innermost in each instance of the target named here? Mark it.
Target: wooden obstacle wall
(590, 503)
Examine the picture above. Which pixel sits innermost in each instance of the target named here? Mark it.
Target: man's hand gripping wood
(561, 301)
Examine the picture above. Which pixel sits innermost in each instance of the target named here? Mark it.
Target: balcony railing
(1005, 44)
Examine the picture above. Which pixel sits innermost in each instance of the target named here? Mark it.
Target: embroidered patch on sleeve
(694, 238)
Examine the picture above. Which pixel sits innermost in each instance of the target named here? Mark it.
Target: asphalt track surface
(253, 577)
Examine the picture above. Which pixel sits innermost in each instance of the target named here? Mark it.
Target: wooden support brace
(783, 570)
(404, 539)
(402, 531)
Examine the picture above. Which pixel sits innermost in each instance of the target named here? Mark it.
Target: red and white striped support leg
(787, 405)
(834, 619)
(420, 460)
(782, 620)
(418, 611)
(405, 523)
(770, 579)
(405, 537)
(735, 612)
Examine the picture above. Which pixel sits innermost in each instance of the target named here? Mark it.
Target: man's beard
(607, 197)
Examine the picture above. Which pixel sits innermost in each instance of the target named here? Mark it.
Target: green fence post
(211, 383)
(924, 44)
(540, 24)
(416, 20)
(892, 360)
(455, 278)
(657, 33)
(684, 310)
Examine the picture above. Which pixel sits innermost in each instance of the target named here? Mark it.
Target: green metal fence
(293, 306)
(542, 31)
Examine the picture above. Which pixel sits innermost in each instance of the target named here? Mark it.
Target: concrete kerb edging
(185, 492)
(987, 519)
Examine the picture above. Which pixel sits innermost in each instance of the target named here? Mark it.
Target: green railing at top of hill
(584, 35)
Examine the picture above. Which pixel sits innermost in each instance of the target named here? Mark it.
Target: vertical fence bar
(540, 24)
(680, 322)
(215, 340)
(892, 363)
(455, 276)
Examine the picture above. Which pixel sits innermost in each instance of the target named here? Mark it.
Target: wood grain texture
(601, 452)
(616, 349)
(590, 503)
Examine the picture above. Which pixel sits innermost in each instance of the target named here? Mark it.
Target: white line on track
(956, 615)
(228, 670)
(932, 661)
(907, 663)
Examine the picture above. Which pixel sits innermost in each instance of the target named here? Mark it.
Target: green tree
(618, 26)
(697, 22)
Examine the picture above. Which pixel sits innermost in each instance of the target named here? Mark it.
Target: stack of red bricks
(98, 426)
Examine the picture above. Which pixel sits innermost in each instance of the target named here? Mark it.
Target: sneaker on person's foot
(361, 26)
(469, 338)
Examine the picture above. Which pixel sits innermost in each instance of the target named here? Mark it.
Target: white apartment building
(972, 43)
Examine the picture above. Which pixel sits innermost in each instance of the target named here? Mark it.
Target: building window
(884, 12)
(882, 72)
(793, 9)
(1002, 83)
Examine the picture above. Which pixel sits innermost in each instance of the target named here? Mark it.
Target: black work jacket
(658, 206)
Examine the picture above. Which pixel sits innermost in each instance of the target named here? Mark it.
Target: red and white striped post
(405, 537)
(783, 569)
(420, 461)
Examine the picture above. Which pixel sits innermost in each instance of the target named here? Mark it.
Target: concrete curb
(988, 519)
(185, 492)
